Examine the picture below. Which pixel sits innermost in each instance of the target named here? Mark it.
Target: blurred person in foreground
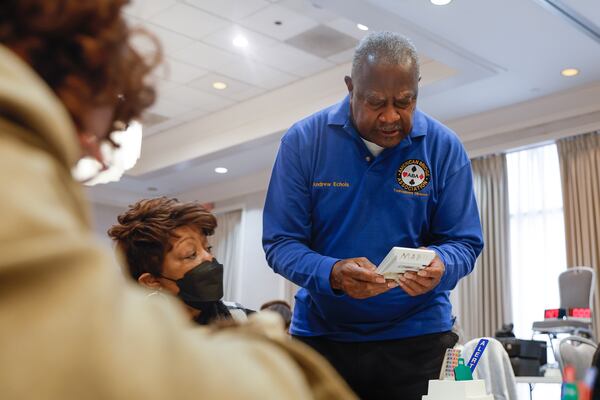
(71, 328)
(165, 243)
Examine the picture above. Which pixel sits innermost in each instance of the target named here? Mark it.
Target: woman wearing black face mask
(166, 247)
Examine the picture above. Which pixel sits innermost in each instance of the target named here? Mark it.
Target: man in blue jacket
(352, 181)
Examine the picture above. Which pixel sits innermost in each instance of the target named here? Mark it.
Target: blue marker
(477, 353)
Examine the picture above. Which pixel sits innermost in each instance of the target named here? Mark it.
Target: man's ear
(150, 281)
(349, 84)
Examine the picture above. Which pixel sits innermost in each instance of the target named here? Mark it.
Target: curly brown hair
(82, 50)
(144, 230)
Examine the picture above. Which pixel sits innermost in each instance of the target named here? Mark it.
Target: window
(537, 234)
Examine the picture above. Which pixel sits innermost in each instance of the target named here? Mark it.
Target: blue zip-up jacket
(330, 199)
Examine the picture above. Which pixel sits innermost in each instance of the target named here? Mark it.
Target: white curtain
(226, 248)
(537, 234)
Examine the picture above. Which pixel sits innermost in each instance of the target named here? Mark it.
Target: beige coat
(70, 328)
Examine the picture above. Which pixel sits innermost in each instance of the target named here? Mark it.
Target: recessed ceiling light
(219, 85)
(362, 27)
(440, 2)
(221, 170)
(569, 72)
(240, 41)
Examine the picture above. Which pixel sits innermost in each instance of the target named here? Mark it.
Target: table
(538, 379)
(546, 387)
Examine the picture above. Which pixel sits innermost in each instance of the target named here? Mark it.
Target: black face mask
(201, 284)
(202, 288)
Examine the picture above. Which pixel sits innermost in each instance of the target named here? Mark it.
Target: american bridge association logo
(413, 175)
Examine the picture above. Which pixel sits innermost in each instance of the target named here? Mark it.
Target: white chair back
(576, 351)
(576, 286)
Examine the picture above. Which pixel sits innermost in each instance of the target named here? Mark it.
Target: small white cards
(402, 259)
(450, 362)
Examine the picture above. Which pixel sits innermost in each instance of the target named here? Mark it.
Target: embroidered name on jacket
(331, 184)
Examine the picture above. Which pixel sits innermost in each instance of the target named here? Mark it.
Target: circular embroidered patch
(413, 175)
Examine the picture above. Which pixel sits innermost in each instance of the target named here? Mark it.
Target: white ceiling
(197, 39)
(489, 67)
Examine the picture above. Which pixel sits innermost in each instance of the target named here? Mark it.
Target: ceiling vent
(322, 41)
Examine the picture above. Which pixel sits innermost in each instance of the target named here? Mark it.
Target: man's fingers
(361, 290)
(430, 273)
(421, 281)
(378, 288)
(364, 275)
(359, 279)
(413, 289)
(364, 262)
(408, 289)
(433, 271)
(391, 283)
(414, 284)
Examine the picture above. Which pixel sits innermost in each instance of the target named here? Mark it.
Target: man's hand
(425, 280)
(357, 278)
